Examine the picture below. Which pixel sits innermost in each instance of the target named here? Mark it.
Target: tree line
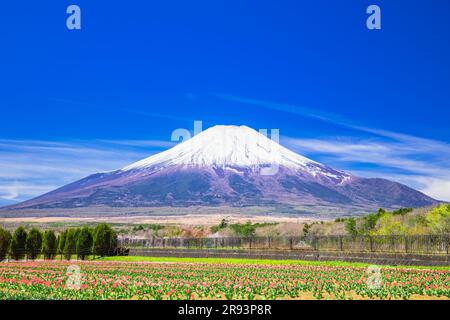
(82, 242)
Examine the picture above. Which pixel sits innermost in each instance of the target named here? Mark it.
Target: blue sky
(375, 103)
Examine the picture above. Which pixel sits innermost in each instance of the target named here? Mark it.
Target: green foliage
(306, 228)
(138, 228)
(33, 243)
(5, 242)
(156, 227)
(84, 243)
(398, 222)
(71, 241)
(402, 211)
(370, 221)
(173, 231)
(438, 219)
(70, 245)
(389, 225)
(244, 230)
(49, 245)
(384, 222)
(62, 241)
(105, 240)
(350, 226)
(222, 225)
(18, 244)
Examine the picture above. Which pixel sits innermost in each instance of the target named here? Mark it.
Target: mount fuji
(232, 166)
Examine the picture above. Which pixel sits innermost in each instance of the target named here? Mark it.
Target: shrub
(49, 245)
(18, 244)
(5, 242)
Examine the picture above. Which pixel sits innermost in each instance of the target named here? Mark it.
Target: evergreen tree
(105, 240)
(33, 243)
(70, 246)
(18, 244)
(5, 242)
(62, 242)
(84, 243)
(49, 245)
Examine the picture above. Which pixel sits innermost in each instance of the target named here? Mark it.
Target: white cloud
(29, 168)
(423, 165)
(440, 189)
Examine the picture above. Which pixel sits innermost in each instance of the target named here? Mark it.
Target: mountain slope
(229, 166)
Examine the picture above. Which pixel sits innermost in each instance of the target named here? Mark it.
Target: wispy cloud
(29, 168)
(418, 162)
(422, 166)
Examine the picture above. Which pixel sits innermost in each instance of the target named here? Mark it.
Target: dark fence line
(425, 244)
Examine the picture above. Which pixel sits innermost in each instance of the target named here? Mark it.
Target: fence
(424, 244)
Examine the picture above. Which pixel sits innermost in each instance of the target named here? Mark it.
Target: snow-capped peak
(226, 146)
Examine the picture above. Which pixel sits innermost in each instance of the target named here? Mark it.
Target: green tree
(350, 226)
(70, 245)
(62, 242)
(306, 228)
(84, 243)
(222, 225)
(244, 230)
(402, 211)
(389, 225)
(33, 243)
(370, 222)
(49, 245)
(5, 242)
(438, 219)
(18, 244)
(105, 240)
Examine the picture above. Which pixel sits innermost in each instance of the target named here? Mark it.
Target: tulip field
(200, 280)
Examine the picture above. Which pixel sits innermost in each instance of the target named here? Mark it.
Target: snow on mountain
(229, 147)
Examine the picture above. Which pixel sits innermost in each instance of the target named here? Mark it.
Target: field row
(198, 280)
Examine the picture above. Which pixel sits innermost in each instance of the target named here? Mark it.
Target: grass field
(262, 262)
(191, 278)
